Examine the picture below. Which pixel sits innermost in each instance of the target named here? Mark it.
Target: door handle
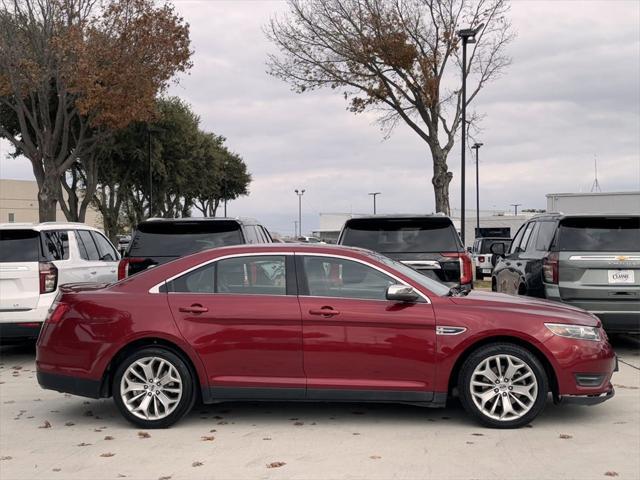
(195, 308)
(324, 311)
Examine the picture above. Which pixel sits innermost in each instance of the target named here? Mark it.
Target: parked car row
(588, 261)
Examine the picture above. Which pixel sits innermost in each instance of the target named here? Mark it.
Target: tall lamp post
(299, 193)
(150, 171)
(476, 146)
(468, 35)
(515, 206)
(374, 195)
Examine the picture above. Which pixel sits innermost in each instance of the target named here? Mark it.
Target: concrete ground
(45, 434)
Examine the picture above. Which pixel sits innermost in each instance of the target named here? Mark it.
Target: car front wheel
(153, 388)
(503, 385)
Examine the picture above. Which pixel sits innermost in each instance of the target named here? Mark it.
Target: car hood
(532, 306)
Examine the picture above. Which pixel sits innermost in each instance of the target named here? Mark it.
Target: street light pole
(515, 206)
(468, 35)
(150, 171)
(374, 195)
(299, 193)
(476, 147)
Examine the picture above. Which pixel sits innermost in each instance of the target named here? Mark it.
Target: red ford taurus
(318, 323)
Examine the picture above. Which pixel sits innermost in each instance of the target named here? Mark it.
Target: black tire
(479, 275)
(187, 398)
(523, 355)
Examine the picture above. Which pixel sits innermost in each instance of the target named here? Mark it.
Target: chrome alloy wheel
(503, 387)
(151, 388)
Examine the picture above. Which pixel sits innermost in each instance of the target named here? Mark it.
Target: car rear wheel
(153, 388)
(503, 385)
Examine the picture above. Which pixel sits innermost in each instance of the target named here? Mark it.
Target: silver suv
(588, 261)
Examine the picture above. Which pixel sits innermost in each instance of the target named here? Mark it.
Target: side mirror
(402, 293)
(498, 248)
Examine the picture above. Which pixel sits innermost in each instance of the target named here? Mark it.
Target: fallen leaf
(222, 423)
(143, 435)
(470, 443)
(197, 464)
(478, 434)
(564, 436)
(355, 433)
(218, 417)
(625, 386)
(208, 438)
(97, 430)
(108, 437)
(292, 419)
(69, 424)
(446, 418)
(108, 454)
(611, 474)
(121, 475)
(56, 469)
(46, 424)
(83, 444)
(17, 367)
(167, 477)
(266, 438)
(6, 458)
(88, 413)
(297, 424)
(375, 457)
(276, 464)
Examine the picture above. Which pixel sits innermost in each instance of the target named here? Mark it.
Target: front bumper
(594, 399)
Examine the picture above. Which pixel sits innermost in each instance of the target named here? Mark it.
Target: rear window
(19, 246)
(402, 235)
(599, 234)
(176, 239)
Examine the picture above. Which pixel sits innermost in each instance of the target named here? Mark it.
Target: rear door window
(412, 235)
(545, 236)
(19, 246)
(176, 239)
(516, 240)
(599, 234)
(526, 236)
(89, 250)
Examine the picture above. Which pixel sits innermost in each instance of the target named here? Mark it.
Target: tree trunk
(441, 180)
(48, 199)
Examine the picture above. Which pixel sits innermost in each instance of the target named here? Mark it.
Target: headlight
(579, 332)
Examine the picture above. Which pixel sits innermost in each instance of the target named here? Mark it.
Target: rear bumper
(18, 332)
(74, 385)
(619, 322)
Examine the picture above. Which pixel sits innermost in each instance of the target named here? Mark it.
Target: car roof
(242, 220)
(560, 215)
(38, 227)
(404, 216)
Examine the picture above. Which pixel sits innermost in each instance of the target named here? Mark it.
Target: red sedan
(319, 323)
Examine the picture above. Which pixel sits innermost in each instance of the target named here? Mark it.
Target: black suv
(160, 240)
(427, 243)
(588, 261)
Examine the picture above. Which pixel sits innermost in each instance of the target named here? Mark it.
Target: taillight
(123, 266)
(48, 277)
(550, 267)
(57, 311)
(481, 259)
(466, 265)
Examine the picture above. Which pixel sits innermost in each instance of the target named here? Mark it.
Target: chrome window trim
(605, 257)
(375, 267)
(156, 288)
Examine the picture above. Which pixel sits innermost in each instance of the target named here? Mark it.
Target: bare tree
(401, 58)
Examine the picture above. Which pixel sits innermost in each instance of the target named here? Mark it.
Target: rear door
(242, 316)
(20, 253)
(599, 261)
(108, 270)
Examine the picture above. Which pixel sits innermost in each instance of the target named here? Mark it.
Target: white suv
(35, 259)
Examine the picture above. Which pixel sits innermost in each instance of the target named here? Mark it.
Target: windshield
(176, 239)
(599, 234)
(411, 235)
(429, 283)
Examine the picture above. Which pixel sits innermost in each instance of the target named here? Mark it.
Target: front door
(357, 344)
(243, 318)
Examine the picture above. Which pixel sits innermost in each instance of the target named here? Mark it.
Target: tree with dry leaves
(74, 71)
(400, 58)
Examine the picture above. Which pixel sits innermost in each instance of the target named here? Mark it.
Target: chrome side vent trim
(447, 330)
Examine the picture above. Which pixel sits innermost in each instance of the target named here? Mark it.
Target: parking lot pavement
(45, 434)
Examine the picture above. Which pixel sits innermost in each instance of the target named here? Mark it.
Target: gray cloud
(572, 92)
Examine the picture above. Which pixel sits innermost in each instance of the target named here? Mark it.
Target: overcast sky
(572, 93)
